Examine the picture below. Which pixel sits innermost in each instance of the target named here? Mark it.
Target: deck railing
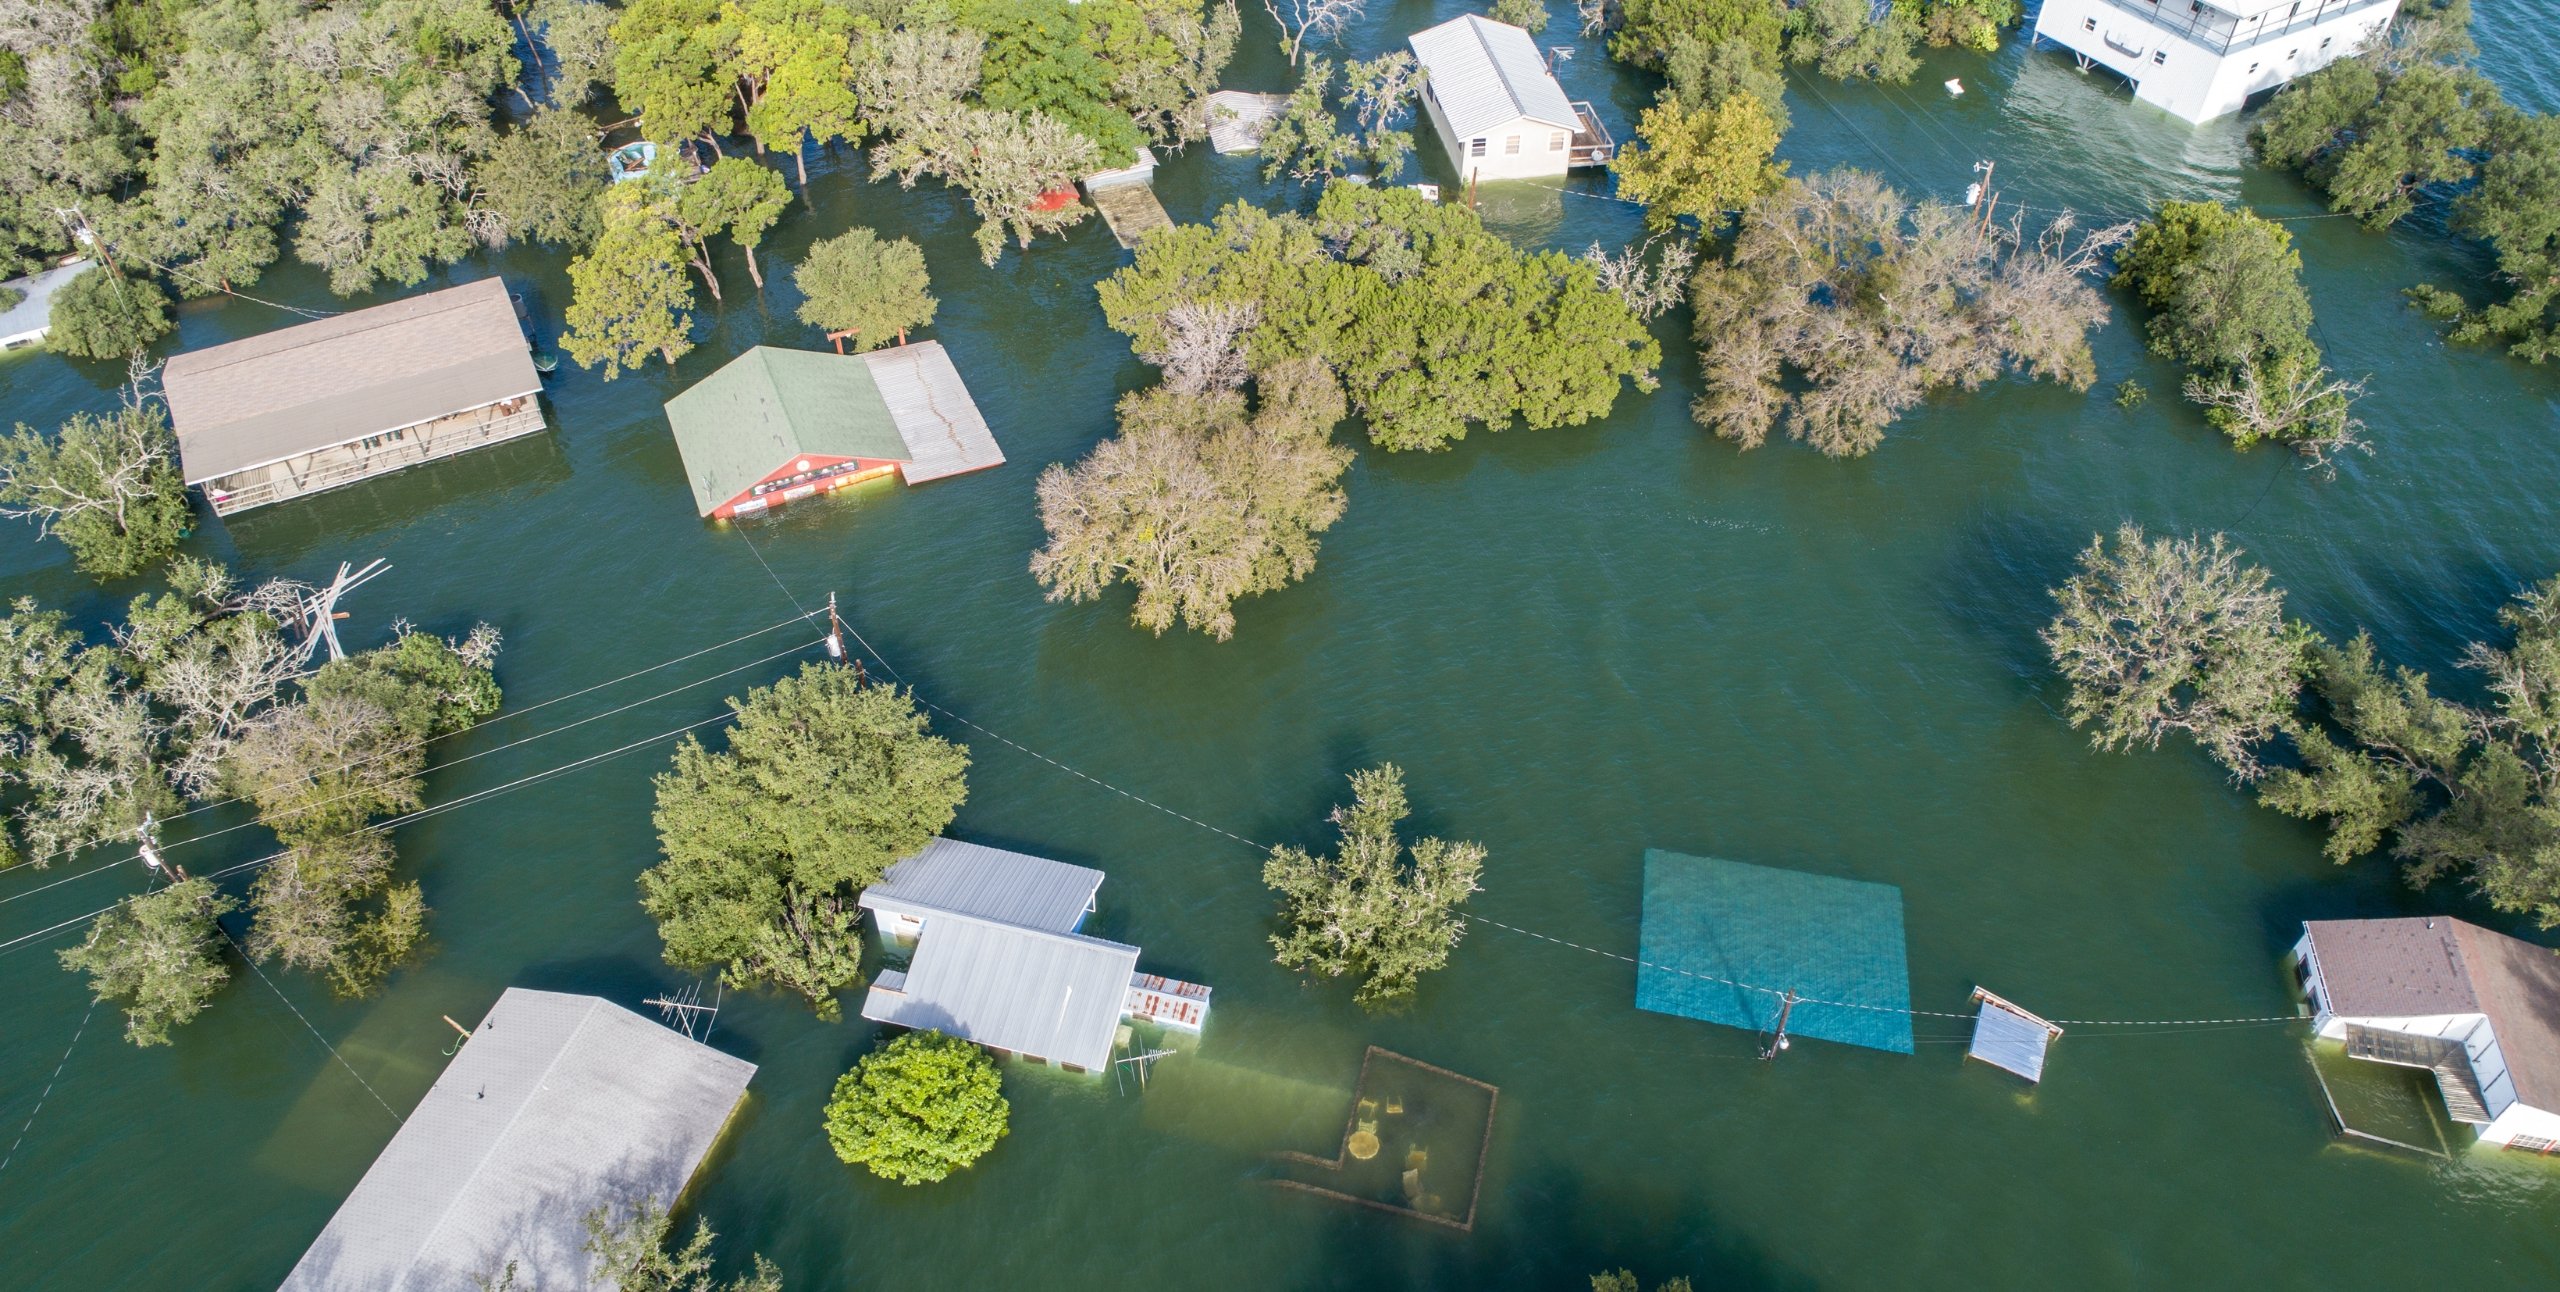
(1592, 145)
(2224, 33)
(439, 439)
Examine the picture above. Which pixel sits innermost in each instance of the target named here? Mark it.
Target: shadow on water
(1996, 585)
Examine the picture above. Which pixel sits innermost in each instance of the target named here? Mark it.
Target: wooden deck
(374, 455)
(1131, 210)
(1592, 145)
(933, 410)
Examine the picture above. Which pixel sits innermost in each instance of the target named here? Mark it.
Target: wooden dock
(1130, 209)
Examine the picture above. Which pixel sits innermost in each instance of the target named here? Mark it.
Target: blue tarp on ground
(1710, 924)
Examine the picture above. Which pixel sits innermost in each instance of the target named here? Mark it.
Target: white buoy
(1954, 87)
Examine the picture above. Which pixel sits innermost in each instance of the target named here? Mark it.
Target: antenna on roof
(681, 1010)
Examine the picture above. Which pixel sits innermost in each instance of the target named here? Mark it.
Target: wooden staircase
(2445, 1058)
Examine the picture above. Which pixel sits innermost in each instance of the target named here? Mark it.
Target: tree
(1038, 62)
(671, 65)
(1703, 165)
(157, 956)
(858, 283)
(916, 1110)
(107, 486)
(2176, 634)
(1528, 14)
(1304, 142)
(628, 295)
(1649, 30)
(1195, 504)
(1365, 912)
(1973, 24)
(2516, 208)
(1875, 304)
(1701, 75)
(799, 53)
(1303, 20)
(1847, 40)
(1430, 322)
(737, 197)
(1652, 277)
(627, 1250)
(2292, 400)
(541, 181)
(2372, 137)
(102, 314)
(1625, 1281)
(826, 781)
(579, 34)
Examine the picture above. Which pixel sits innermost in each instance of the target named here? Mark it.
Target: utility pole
(1974, 197)
(87, 236)
(151, 852)
(835, 630)
(1778, 1044)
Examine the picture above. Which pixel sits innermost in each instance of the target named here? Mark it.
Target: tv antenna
(683, 1009)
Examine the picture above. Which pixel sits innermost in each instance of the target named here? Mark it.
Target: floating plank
(2010, 1038)
(1238, 120)
(1131, 210)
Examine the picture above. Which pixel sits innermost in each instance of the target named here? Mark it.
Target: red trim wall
(752, 503)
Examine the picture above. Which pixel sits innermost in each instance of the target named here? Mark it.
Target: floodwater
(1579, 643)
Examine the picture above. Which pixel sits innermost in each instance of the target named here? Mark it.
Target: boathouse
(2200, 61)
(995, 955)
(1499, 112)
(555, 1106)
(330, 402)
(2479, 1010)
(26, 321)
(774, 425)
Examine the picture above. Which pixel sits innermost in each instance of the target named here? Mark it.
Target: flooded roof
(1486, 74)
(2425, 965)
(558, 1104)
(989, 883)
(770, 405)
(281, 394)
(1055, 996)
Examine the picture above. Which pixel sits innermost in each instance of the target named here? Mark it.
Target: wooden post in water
(1786, 1006)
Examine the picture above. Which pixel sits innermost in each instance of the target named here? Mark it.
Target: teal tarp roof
(768, 406)
(1715, 932)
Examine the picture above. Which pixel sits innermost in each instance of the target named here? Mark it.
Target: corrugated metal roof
(1487, 74)
(768, 406)
(556, 1105)
(280, 394)
(33, 314)
(1056, 996)
(989, 883)
(944, 434)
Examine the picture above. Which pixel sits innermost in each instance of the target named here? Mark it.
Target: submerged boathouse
(287, 413)
(557, 1105)
(773, 425)
(996, 957)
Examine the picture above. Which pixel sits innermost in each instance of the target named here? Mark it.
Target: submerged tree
(1702, 166)
(1364, 911)
(629, 1250)
(629, 297)
(863, 286)
(826, 781)
(1875, 304)
(107, 486)
(917, 1109)
(157, 956)
(1196, 503)
(103, 314)
(2176, 634)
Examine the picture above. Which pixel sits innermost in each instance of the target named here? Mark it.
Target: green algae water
(1579, 644)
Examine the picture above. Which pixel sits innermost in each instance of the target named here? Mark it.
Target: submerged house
(330, 402)
(555, 1106)
(773, 425)
(996, 958)
(29, 316)
(2479, 1010)
(1499, 112)
(2201, 61)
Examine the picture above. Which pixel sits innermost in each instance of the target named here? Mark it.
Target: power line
(29, 1124)
(306, 1023)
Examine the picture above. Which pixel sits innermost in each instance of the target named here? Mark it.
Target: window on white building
(2088, 24)
(2160, 56)
(1557, 141)
(1475, 148)
(1510, 145)
(2253, 70)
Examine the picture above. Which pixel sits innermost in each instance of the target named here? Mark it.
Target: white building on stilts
(2201, 61)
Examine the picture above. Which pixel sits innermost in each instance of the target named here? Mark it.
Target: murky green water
(1579, 644)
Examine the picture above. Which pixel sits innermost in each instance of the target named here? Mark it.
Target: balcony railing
(1592, 145)
(2223, 33)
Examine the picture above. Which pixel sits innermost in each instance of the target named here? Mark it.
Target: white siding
(2524, 1120)
(2190, 79)
(1537, 159)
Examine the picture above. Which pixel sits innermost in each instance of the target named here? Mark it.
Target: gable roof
(34, 311)
(1058, 996)
(768, 406)
(989, 883)
(1486, 74)
(556, 1105)
(301, 389)
(2426, 965)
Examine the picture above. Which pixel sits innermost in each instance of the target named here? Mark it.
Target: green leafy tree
(799, 55)
(1528, 14)
(1649, 30)
(1305, 142)
(1700, 76)
(916, 1110)
(1196, 504)
(1037, 61)
(629, 1251)
(2371, 134)
(541, 181)
(1625, 1281)
(628, 294)
(826, 781)
(579, 36)
(1973, 24)
(102, 314)
(1702, 165)
(672, 66)
(736, 197)
(2176, 635)
(1366, 911)
(859, 283)
(2516, 208)
(1844, 40)
(157, 956)
(107, 486)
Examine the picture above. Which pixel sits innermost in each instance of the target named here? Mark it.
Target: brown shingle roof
(279, 394)
(2438, 965)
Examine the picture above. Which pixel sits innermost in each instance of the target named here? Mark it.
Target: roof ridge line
(1085, 939)
(357, 330)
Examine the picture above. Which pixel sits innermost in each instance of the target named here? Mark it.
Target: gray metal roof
(556, 1105)
(34, 314)
(1487, 74)
(1055, 996)
(281, 394)
(989, 883)
(933, 411)
(2008, 1037)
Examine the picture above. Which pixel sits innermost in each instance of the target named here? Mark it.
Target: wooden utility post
(835, 630)
(1778, 1043)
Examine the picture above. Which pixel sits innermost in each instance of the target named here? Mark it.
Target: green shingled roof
(768, 406)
